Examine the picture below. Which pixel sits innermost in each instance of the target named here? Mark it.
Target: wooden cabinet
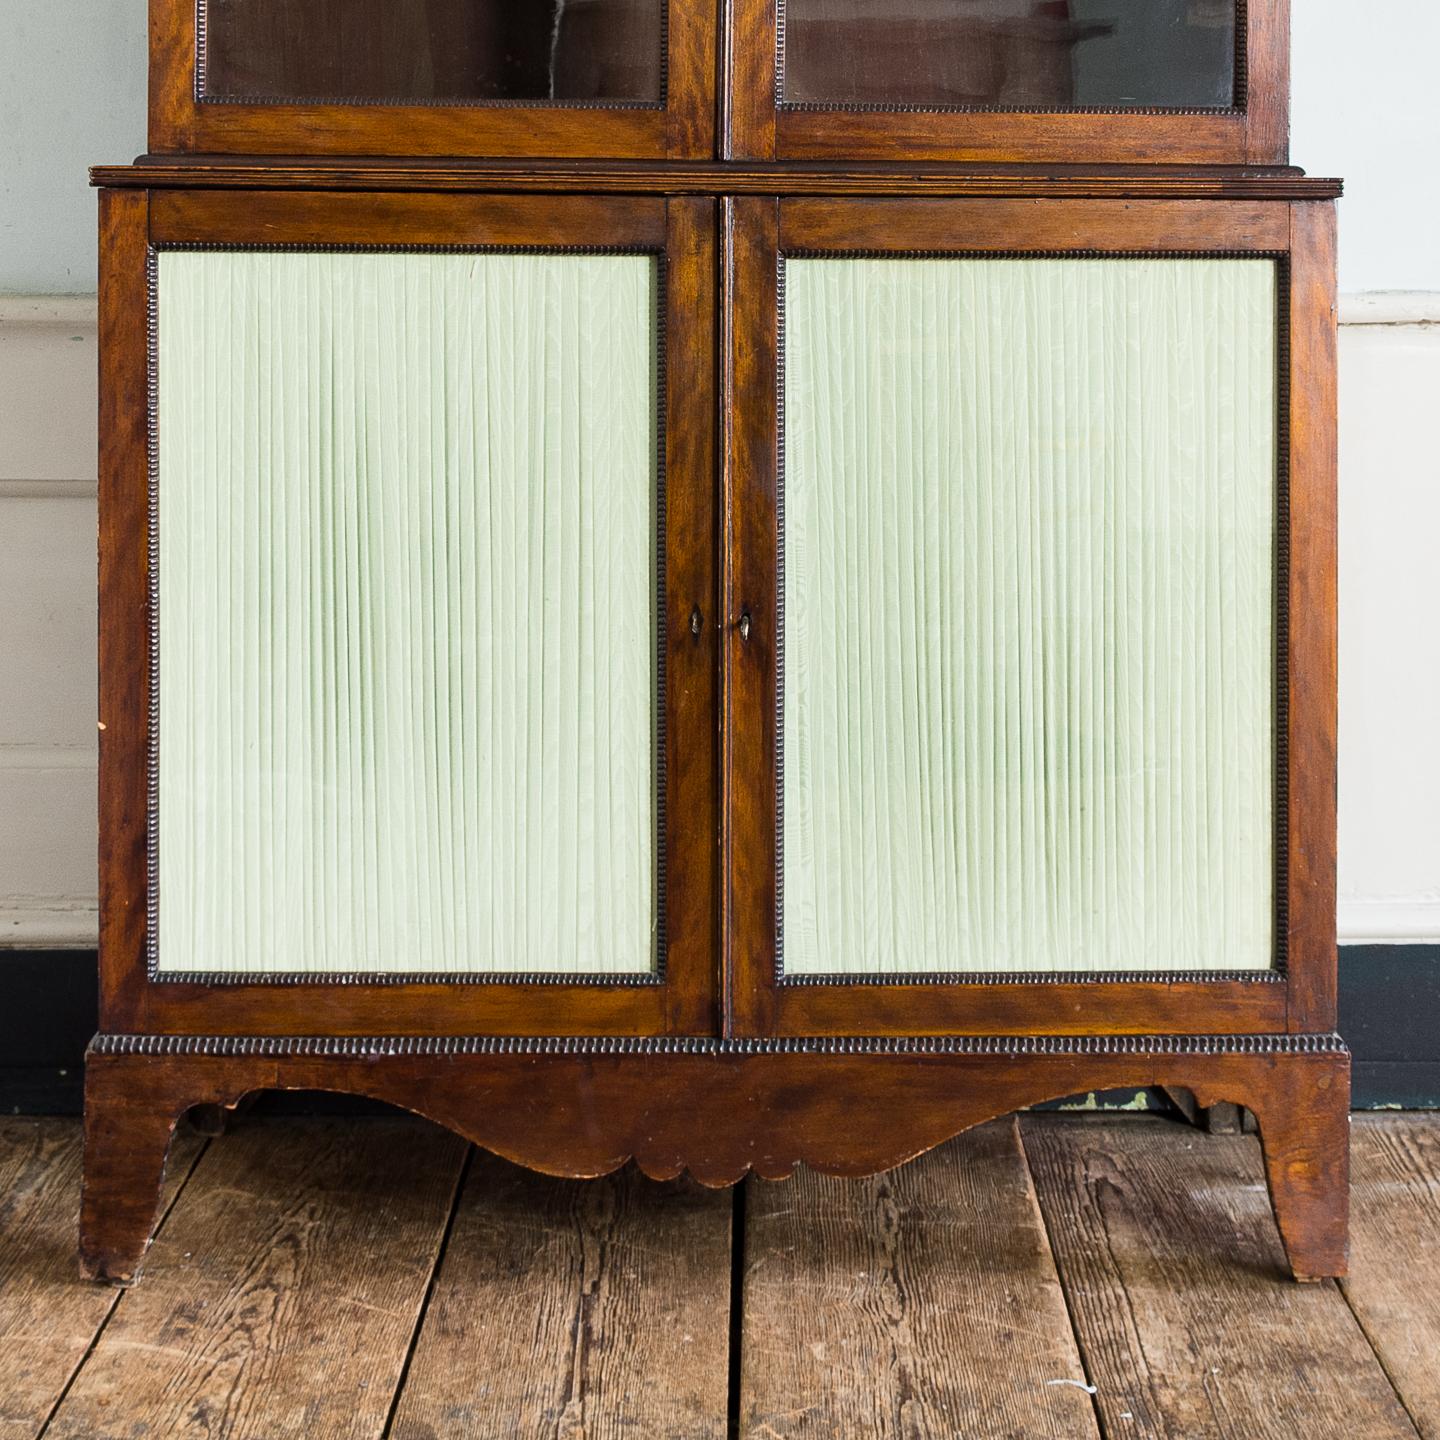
(646, 619)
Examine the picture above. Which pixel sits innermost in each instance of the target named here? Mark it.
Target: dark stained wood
(720, 1111)
(1267, 63)
(750, 493)
(740, 177)
(1008, 1007)
(1170, 1262)
(575, 1308)
(124, 670)
(1001, 136)
(282, 1299)
(924, 1302)
(750, 81)
(683, 127)
(1311, 670)
(1258, 133)
(48, 1316)
(692, 605)
(691, 81)
(1009, 225)
(182, 217)
(1394, 1284)
(127, 1146)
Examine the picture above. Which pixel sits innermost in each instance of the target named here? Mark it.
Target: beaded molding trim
(1280, 660)
(378, 1046)
(655, 977)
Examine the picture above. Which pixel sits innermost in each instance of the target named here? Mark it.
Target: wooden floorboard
(323, 1278)
(1394, 1284)
(1175, 1275)
(920, 1303)
(282, 1297)
(49, 1317)
(578, 1309)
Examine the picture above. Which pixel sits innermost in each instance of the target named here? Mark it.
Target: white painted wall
(47, 622)
(1365, 105)
(72, 92)
(1389, 621)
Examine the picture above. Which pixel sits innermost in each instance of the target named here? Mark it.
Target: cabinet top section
(1091, 82)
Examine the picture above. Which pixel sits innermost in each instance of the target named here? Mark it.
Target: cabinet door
(1032, 699)
(614, 78)
(1196, 81)
(407, 690)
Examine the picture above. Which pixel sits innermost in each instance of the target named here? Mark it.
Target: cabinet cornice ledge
(1215, 182)
(356, 1046)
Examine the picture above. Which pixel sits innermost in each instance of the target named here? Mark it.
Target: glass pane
(434, 50)
(1029, 533)
(1115, 54)
(407, 580)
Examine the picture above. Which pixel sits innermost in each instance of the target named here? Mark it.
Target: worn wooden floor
(1056, 1277)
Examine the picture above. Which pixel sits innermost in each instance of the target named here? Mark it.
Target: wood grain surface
(567, 1308)
(920, 1303)
(1173, 1268)
(49, 1317)
(287, 1294)
(1394, 1284)
(282, 1300)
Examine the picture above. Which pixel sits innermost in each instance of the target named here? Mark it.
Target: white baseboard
(1389, 922)
(1390, 307)
(44, 923)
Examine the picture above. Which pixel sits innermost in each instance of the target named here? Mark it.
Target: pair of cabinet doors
(1192, 81)
(796, 617)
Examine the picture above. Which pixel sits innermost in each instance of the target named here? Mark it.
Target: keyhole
(744, 624)
(696, 620)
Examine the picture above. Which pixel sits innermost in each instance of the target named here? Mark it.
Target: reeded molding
(379, 1046)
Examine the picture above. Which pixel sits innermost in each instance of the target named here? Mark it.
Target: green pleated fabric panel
(1029, 594)
(407, 581)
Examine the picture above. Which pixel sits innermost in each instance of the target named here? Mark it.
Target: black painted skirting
(1389, 1015)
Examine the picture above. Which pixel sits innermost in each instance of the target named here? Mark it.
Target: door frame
(680, 126)
(681, 997)
(1299, 994)
(1254, 131)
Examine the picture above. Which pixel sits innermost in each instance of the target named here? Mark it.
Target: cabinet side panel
(1312, 670)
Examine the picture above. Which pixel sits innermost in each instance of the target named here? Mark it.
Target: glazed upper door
(1119, 81)
(579, 78)
(1030, 696)
(425, 735)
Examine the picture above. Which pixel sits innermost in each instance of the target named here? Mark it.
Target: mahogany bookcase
(668, 594)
